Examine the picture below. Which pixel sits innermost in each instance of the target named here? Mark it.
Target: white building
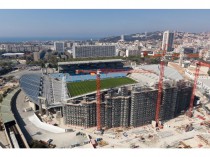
(94, 51)
(122, 37)
(59, 47)
(167, 42)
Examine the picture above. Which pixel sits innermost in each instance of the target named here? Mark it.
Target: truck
(98, 139)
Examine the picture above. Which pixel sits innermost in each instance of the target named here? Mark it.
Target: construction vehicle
(98, 139)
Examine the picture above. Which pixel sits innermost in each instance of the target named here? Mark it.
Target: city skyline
(98, 23)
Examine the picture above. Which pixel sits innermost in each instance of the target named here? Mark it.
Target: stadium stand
(56, 85)
(168, 73)
(47, 89)
(77, 78)
(70, 67)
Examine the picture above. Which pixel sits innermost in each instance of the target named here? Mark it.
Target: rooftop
(91, 61)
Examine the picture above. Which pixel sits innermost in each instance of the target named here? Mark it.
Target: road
(32, 132)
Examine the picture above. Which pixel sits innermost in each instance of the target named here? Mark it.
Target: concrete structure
(117, 108)
(93, 51)
(59, 47)
(83, 114)
(143, 102)
(168, 38)
(130, 106)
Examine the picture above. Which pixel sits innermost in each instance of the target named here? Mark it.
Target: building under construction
(130, 106)
(126, 106)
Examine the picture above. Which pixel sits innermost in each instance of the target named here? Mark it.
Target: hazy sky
(98, 23)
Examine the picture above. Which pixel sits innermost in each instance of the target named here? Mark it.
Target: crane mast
(98, 100)
(194, 89)
(160, 87)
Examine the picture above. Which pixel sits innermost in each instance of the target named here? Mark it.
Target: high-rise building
(39, 55)
(88, 51)
(167, 42)
(122, 37)
(59, 47)
(36, 56)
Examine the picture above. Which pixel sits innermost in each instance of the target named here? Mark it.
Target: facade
(117, 108)
(38, 55)
(143, 105)
(184, 91)
(59, 47)
(83, 114)
(167, 42)
(93, 51)
(133, 53)
(20, 48)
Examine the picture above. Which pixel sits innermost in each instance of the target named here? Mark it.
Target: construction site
(130, 106)
(161, 108)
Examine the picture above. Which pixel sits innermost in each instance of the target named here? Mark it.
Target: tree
(1, 98)
(208, 72)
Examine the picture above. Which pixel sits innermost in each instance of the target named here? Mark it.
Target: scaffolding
(117, 108)
(143, 104)
(130, 106)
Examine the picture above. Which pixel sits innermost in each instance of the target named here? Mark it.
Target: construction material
(202, 138)
(181, 143)
(102, 143)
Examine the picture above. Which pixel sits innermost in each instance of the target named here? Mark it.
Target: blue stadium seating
(76, 78)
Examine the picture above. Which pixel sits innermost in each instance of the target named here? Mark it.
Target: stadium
(127, 99)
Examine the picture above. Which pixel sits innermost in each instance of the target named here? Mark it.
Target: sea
(30, 39)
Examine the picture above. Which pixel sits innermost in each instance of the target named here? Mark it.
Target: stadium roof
(30, 84)
(90, 61)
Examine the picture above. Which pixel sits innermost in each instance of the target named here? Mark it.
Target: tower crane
(197, 70)
(160, 87)
(98, 86)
